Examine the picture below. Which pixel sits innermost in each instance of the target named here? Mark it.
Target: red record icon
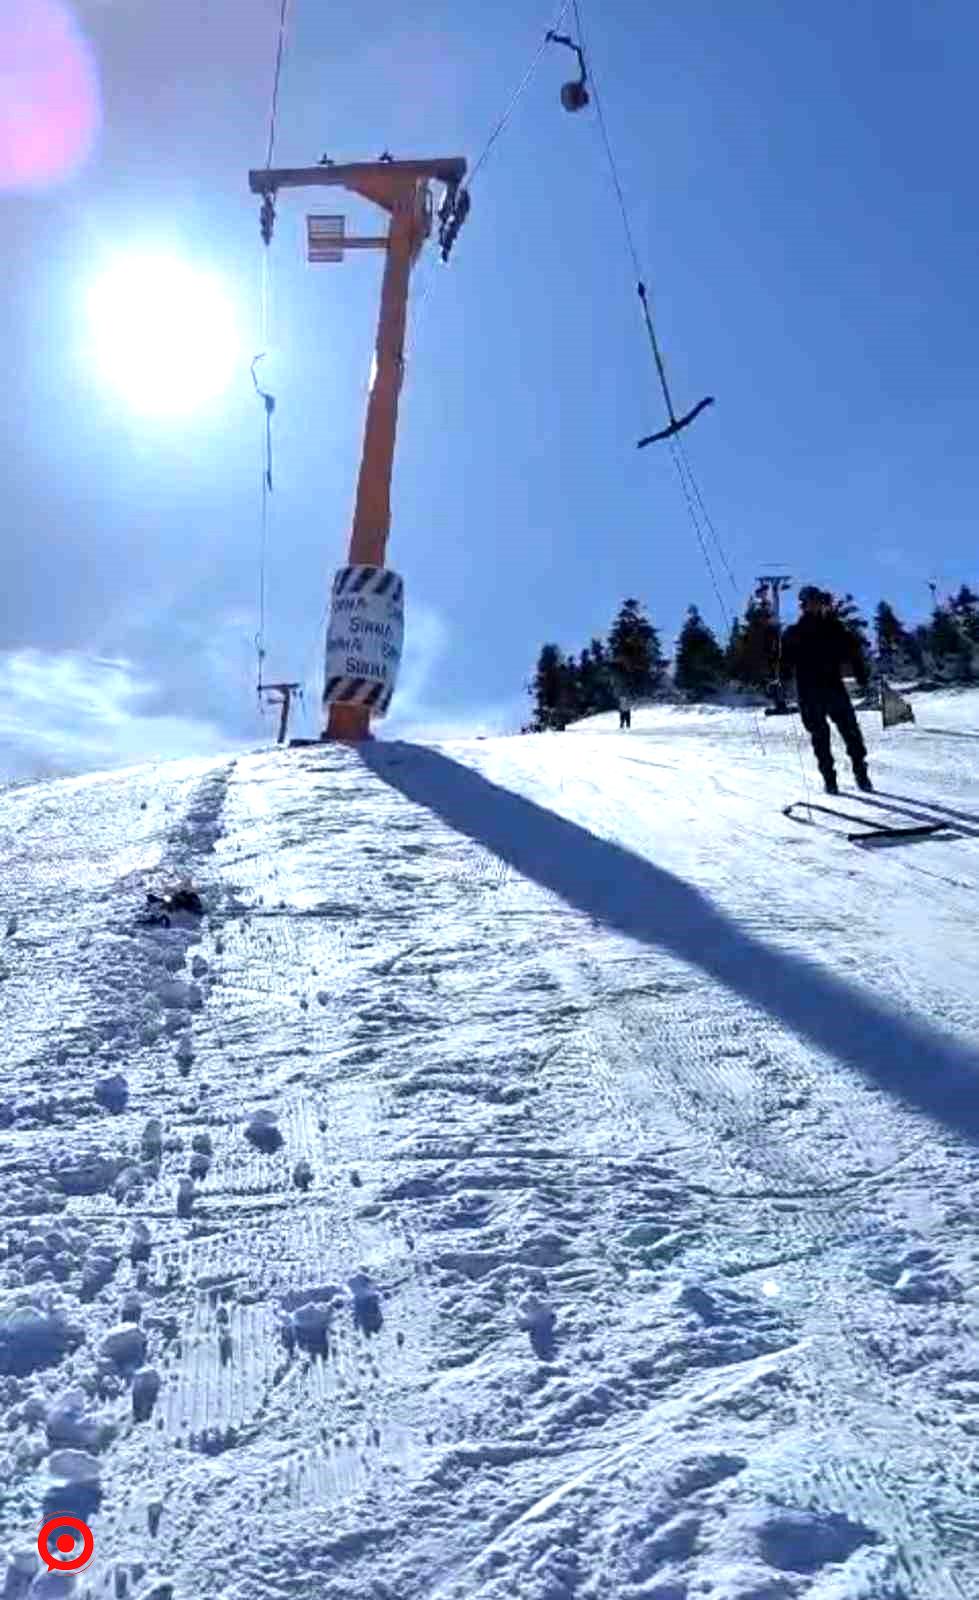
(65, 1542)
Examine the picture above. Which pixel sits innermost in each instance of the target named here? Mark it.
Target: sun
(162, 334)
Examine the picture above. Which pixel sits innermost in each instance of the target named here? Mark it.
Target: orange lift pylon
(402, 189)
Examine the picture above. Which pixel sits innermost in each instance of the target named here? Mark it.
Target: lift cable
(268, 401)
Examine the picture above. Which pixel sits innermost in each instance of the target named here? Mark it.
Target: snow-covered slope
(545, 1171)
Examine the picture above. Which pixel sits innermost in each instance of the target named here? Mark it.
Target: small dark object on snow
(146, 1388)
(262, 1130)
(72, 1499)
(161, 907)
(541, 1333)
(367, 1312)
(162, 1589)
(112, 1094)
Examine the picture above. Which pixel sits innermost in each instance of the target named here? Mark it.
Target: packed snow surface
(545, 1170)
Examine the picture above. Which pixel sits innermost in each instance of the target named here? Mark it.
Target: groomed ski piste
(546, 1171)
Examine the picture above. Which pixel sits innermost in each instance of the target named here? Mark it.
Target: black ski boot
(829, 779)
(863, 780)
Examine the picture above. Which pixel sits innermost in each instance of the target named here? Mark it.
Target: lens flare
(49, 95)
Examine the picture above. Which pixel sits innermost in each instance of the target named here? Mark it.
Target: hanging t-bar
(574, 96)
(676, 423)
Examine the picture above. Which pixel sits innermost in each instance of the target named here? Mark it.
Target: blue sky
(802, 191)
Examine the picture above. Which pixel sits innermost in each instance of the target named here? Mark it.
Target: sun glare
(162, 335)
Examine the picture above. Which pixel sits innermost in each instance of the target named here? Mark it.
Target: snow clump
(538, 1319)
(125, 1344)
(146, 1387)
(74, 1466)
(70, 1423)
(34, 1334)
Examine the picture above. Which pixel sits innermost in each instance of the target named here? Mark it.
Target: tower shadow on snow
(930, 1070)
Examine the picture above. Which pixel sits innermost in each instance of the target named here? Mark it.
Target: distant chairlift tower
(775, 584)
(402, 189)
(283, 693)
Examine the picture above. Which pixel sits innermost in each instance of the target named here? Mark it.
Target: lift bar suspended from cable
(574, 97)
(676, 423)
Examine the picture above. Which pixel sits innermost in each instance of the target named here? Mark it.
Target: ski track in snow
(556, 1267)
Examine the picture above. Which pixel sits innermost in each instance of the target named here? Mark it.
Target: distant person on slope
(814, 651)
(625, 714)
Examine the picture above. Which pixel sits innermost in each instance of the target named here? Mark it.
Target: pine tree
(699, 666)
(571, 701)
(636, 658)
(546, 686)
(888, 637)
(586, 682)
(848, 613)
(596, 690)
(921, 639)
(752, 652)
(965, 608)
(734, 649)
(898, 652)
(948, 646)
(604, 677)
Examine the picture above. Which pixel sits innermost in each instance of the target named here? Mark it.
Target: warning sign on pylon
(365, 638)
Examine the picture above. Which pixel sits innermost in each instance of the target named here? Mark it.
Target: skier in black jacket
(814, 651)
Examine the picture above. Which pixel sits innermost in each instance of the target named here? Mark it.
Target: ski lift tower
(775, 584)
(401, 188)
